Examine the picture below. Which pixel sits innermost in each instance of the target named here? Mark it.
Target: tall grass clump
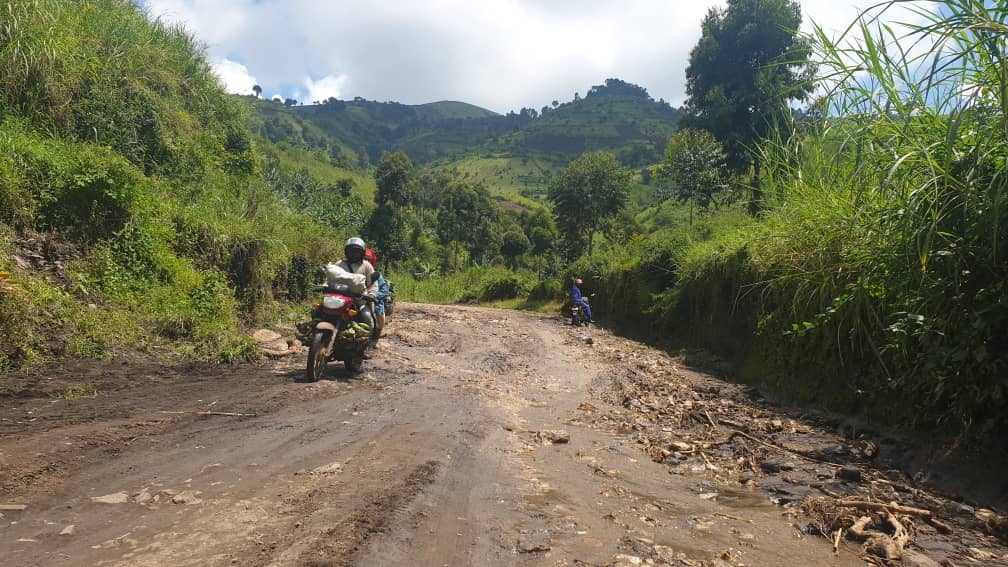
(882, 267)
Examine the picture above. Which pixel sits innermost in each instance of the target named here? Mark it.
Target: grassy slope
(119, 148)
(615, 122)
(447, 109)
(320, 166)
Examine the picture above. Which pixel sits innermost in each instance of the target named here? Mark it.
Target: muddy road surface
(475, 437)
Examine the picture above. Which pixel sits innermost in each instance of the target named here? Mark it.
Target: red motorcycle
(342, 328)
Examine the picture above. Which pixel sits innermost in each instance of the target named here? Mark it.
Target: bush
(498, 286)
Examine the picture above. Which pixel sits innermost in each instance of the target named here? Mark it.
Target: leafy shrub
(497, 286)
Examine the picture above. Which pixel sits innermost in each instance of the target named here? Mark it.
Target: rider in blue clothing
(576, 297)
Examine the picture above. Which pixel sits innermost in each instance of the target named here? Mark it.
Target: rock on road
(466, 441)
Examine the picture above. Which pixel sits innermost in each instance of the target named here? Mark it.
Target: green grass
(319, 165)
(515, 181)
(75, 393)
(473, 285)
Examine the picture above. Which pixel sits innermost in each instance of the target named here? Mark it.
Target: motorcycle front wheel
(317, 358)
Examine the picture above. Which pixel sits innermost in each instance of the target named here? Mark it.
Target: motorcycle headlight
(333, 302)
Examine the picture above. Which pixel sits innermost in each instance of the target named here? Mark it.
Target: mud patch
(338, 546)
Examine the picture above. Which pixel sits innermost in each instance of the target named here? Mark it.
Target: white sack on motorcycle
(335, 275)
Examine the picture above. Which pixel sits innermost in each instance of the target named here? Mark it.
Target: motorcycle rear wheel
(317, 358)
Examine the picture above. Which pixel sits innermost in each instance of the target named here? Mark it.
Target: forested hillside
(616, 116)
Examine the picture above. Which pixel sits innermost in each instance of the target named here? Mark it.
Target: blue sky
(499, 54)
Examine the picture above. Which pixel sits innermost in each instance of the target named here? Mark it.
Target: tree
(470, 216)
(591, 189)
(257, 90)
(290, 102)
(394, 178)
(387, 232)
(541, 230)
(696, 164)
(746, 67)
(514, 244)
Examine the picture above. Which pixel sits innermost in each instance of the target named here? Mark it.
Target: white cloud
(328, 86)
(234, 76)
(501, 54)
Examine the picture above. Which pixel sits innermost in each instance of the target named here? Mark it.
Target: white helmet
(354, 249)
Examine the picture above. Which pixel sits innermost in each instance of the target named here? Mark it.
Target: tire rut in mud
(339, 545)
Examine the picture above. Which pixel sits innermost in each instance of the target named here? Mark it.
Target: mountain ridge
(616, 116)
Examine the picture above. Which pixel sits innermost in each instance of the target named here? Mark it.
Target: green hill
(615, 116)
(514, 154)
(449, 109)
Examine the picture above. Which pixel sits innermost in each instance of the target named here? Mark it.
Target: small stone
(548, 436)
(774, 466)
(265, 336)
(533, 543)
(69, 530)
(186, 497)
(681, 446)
(142, 497)
(913, 558)
(623, 560)
(850, 474)
(114, 498)
(277, 345)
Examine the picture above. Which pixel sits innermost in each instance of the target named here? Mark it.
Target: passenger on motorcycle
(383, 289)
(576, 297)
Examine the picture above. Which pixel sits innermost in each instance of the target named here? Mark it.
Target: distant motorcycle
(578, 315)
(342, 328)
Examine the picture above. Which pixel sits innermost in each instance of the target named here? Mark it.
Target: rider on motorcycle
(576, 297)
(383, 289)
(355, 262)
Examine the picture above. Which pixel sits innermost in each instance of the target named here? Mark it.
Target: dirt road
(448, 450)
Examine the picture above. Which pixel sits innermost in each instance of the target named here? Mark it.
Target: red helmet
(370, 256)
(578, 281)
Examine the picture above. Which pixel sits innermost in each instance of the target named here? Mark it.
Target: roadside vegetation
(134, 205)
(873, 279)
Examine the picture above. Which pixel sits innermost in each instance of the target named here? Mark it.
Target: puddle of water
(741, 498)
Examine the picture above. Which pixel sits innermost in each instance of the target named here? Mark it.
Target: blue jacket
(383, 289)
(576, 294)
